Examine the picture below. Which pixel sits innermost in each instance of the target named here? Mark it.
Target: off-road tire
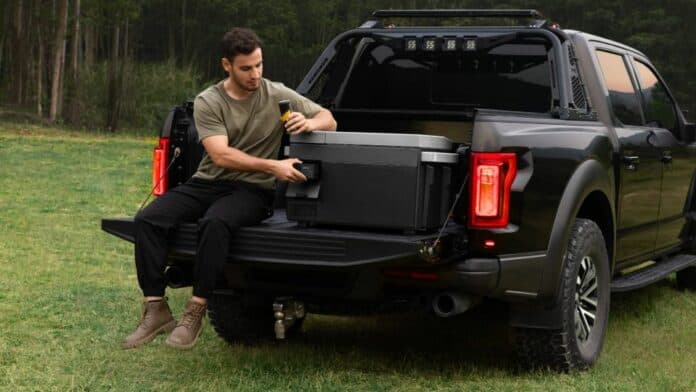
(686, 278)
(569, 348)
(244, 318)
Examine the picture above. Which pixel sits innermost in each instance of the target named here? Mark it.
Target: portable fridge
(377, 180)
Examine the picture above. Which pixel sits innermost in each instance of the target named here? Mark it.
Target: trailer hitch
(286, 311)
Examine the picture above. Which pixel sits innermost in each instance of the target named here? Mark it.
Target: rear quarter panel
(560, 162)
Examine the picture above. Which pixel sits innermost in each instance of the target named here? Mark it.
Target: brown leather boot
(186, 333)
(156, 319)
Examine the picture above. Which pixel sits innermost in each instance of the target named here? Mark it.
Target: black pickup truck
(542, 167)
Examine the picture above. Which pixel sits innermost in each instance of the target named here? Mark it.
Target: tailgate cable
(177, 152)
(428, 250)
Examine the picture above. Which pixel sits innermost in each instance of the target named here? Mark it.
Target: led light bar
(449, 44)
(429, 44)
(445, 44)
(470, 44)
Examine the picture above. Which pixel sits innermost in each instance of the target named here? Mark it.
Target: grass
(68, 295)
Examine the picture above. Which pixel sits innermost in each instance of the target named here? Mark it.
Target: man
(239, 126)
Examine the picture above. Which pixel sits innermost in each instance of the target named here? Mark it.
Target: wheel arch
(589, 194)
(596, 207)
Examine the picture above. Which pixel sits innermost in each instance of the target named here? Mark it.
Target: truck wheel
(583, 307)
(244, 318)
(686, 278)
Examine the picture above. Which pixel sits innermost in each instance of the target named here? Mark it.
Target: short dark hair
(239, 41)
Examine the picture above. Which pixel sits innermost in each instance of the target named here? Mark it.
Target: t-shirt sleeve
(208, 123)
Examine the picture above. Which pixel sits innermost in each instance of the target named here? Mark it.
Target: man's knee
(140, 217)
(144, 219)
(215, 224)
(156, 216)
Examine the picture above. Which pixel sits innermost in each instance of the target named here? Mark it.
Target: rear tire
(583, 307)
(237, 318)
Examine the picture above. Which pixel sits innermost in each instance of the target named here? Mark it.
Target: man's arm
(298, 123)
(228, 157)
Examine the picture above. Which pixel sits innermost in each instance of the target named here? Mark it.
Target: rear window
(512, 76)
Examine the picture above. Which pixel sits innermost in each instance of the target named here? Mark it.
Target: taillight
(160, 161)
(491, 179)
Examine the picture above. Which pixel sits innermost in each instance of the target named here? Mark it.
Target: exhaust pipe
(450, 304)
(178, 277)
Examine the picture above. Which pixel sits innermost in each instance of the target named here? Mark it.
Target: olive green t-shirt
(251, 125)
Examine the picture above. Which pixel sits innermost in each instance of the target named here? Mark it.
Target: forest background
(114, 64)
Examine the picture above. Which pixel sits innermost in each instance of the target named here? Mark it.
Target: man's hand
(284, 170)
(298, 123)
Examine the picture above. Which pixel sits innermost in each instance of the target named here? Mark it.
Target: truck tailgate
(279, 241)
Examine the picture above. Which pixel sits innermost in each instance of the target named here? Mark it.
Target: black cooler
(380, 180)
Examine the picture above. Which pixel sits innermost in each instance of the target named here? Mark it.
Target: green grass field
(68, 295)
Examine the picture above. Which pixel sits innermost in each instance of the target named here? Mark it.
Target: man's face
(245, 70)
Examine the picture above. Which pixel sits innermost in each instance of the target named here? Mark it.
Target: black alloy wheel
(586, 298)
(583, 307)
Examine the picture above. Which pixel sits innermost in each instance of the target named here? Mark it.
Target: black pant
(219, 207)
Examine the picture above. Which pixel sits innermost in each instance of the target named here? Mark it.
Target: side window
(622, 94)
(659, 108)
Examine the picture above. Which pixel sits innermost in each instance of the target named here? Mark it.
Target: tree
(48, 44)
(58, 59)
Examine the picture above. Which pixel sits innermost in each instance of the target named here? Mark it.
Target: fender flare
(590, 176)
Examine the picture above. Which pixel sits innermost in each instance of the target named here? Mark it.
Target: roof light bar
(447, 13)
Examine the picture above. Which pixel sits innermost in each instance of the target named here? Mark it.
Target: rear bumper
(282, 258)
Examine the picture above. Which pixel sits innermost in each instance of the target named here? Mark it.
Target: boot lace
(192, 315)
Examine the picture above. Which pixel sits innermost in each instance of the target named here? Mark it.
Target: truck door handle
(651, 138)
(630, 161)
(666, 157)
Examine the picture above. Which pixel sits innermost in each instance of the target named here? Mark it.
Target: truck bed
(279, 241)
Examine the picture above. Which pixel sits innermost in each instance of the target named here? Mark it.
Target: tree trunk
(18, 52)
(113, 71)
(72, 111)
(39, 73)
(123, 63)
(61, 79)
(126, 47)
(89, 46)
(3, 33)
(75, 49)
(58, 49)
(3, 42)
(182, 29)
(172, 44)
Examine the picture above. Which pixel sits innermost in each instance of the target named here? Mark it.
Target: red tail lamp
(160, 159)
(491, 179)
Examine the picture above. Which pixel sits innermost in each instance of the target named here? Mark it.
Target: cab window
(624, 101)
(658, 107)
